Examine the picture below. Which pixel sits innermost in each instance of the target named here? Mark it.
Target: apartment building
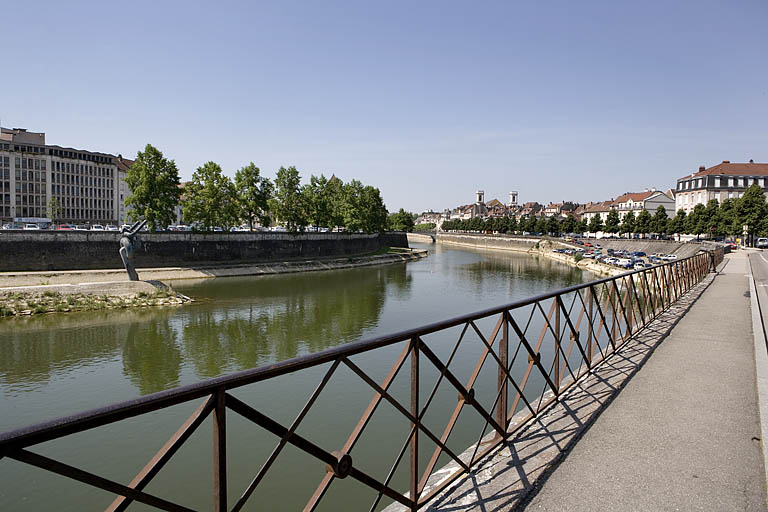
(85, 184)
(723, 181)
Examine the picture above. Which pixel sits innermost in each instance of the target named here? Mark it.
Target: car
(97, 227)
(65, 227)
(110, 227)
(639, 266)
(587, 244)
(82, 227)
(638, 253)
(31, 227)
(762, 243)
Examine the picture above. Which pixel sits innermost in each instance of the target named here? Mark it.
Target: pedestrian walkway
(670, 422)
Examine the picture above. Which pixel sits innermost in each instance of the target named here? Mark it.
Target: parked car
(97, 227)
(82, 227)
(731, 245)
(111, 227)
(762, 243)
(31, 227)
(638, 253)
(65, 227)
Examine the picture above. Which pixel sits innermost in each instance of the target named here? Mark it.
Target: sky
(428, 101)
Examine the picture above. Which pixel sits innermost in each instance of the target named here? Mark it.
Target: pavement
(685, 432)
(669, 422)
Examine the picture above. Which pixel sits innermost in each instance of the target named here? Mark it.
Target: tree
(581, 226)
(712, 218)
(569, 224)
(317, 196)
(660, 221)
(595, 223)
(210, 200)
(288, 205)
(54, 209)
(335, 194)
(542, 225)
(697, 221)
(403, 221)
(679, 224)
(351, 208)
(612, 221)
(643, 222)
(553, 226)
(253, 194)
(373, 212)
(154, 184)
(752, 210)
(628, 223)
(728, 222)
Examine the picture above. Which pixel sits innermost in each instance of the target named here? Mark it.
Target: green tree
(712, 215)
(595, 223)
(679, 224)
(612, 221)
(511, 225)
(660, 221)
(752, 210)
(288, 204)
(319, 201)
(402, 220)
(154, 184)
(628, 223)
(553, 225)
(643, 222)
(373, 211)
(352, 194)
(335, 194)
(728, 222)
(253, 194)
(542, 225)
(581, 226)
(569, 224)
(54, 209)
(697, 221)
(210, 200)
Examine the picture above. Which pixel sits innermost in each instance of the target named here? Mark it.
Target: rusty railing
(580, 326)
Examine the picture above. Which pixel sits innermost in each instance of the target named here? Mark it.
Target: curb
(761, 367)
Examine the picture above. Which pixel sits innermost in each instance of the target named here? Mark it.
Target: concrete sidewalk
(684, 433)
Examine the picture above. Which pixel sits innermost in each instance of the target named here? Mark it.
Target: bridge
(635, 392)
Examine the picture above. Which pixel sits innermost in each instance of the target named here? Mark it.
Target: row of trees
(714, 219)
(213, 199)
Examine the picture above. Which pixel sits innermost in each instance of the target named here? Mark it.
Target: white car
(762, 243)
(97, 227)
(31, 227)
(111, 227)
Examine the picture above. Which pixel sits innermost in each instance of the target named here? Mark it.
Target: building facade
(723, 181)
(44, 183)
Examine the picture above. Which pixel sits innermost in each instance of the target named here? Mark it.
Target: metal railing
(580, 327)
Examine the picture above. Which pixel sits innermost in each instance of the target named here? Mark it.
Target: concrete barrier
(73, 250)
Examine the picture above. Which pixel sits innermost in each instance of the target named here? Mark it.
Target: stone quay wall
(73, 250)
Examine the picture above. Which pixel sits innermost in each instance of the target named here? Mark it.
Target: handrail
(627, 302)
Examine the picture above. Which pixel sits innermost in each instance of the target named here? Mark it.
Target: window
(717, 182)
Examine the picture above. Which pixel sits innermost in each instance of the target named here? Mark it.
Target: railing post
(501, 412)
(414, 480)
(220, 453)
(589, 325)
(557, 344)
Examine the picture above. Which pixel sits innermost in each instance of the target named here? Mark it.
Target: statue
(129, 242)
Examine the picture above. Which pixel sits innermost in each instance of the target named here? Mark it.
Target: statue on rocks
(129, 242)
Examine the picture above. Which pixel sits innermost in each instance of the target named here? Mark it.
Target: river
(55, 365)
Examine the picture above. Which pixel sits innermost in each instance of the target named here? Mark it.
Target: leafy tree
(628, 223)
(612, 221)
(511, 224)
(712, 218)
(697, 221)
(581, 226)
(728, 222)
(288, 205)
(403, 221)
(319, 201)
(335, 194)
(210, 200)
(679, 224)
(530, 223)
(660, 220)
(569, 224)
(154, 184)
(553, 225)
(253, 194)
(373, 212)
(595, 223)
(542, 225)
(352, 194)
(54, 209)
(643, 222)
(752, 210)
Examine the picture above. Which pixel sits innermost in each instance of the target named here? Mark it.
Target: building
(84, 184)
(723, 181)
(648, 200)
(123, 164)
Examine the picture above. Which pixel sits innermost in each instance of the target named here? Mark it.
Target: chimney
(701, 168)
(726, 161)
(751, 161)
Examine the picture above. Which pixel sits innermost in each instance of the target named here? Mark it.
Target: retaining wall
(57, 250)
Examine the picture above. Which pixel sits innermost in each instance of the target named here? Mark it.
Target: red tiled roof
(728, 169)
(634, 196)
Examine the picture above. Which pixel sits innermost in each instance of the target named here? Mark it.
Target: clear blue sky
(429, 101)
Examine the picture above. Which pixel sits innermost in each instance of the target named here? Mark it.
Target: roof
(123, 164)
(732, 169)
(636, 197)
(494, 202)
